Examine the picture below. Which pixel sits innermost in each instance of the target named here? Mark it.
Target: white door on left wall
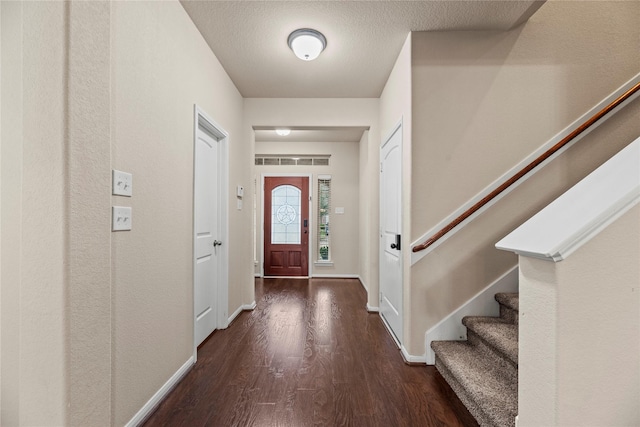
(207, 230)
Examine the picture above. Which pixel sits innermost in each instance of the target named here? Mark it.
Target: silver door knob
(217, 243)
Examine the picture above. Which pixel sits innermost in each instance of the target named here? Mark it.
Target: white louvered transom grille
(292, 160)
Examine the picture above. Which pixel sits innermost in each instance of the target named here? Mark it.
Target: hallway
(309, 354)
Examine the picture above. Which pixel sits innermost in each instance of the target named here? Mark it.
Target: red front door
(286, 226)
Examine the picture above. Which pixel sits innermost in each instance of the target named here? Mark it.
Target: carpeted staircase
(483, 371)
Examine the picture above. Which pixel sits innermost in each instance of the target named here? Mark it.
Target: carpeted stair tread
(510, 300)
(489, 395)
(497, 333)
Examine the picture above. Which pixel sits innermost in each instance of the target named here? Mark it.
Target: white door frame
(201, 119)
(398, 339)
(311, 213)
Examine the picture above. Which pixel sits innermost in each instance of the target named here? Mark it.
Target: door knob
(217, 243)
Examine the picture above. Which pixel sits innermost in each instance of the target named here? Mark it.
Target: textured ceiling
(325, 134)
(363, 39)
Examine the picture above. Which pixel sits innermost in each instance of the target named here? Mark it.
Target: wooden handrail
(544, 156)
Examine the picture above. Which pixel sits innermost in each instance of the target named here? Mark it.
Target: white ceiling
(363, 39)
(326, 134)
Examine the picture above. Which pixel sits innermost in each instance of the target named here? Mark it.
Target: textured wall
(395, 106)
(88, 215)
(11, 109)
(368, 224)
(583, 315)
(343, 168)
(161, 67)
(33, 218)
(482, 102)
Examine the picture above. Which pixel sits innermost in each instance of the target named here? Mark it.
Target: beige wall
(395, 107)
(330, 112)
(580, 333)
(88, 217)
(94, 322)
(162, 67)
(34, 389)
(343, 168)
(482, 102)
(368, 223)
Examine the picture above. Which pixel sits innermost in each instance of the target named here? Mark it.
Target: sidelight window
(324, 209)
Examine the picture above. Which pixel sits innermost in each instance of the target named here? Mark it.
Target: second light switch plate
(122, 183)
(121, 218)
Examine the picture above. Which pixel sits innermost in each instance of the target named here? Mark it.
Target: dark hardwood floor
(308, 355)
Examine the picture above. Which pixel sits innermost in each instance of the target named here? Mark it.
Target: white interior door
(391, 244)
(207, 237)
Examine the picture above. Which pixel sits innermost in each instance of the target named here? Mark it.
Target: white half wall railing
(493, 192)
(582, 211)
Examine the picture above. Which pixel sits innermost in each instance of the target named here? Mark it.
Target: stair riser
(483, 370)
(480, 416)
(497, 357)
(508, 314)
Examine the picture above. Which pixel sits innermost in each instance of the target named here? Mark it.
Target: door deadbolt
(396, 245)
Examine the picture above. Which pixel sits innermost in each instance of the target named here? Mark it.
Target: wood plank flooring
(308, 355)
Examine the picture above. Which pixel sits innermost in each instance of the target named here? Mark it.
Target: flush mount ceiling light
(306, 43)
(283, 132)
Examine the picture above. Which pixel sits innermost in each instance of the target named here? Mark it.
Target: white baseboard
(482, 304)
(370, 308)
(239, 310)
(411, 358)
(335, 276)
(157, 398)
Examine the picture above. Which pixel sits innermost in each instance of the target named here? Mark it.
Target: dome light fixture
(283, 132)
(307, 44)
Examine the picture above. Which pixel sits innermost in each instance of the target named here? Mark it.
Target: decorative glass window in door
(285, 215)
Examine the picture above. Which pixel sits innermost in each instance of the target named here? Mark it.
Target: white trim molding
(408, 358)
(322, 264)
(364, 285)
(203, 122)
(372, 309)
(581, 212)
(141, 416)
(482, 304)
(335, 276)
(417, 256)
(244, 307)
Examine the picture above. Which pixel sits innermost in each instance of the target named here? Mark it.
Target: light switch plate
(121, 218)
(122, 183)
(339, 210)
